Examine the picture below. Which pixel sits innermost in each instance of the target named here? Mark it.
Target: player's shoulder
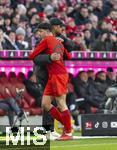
(49, 37)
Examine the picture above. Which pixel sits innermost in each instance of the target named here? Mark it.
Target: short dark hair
(56, 21)
(44, 25)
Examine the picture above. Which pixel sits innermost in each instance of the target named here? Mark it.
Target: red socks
(63, 117)
(66, 120)
(56, 114)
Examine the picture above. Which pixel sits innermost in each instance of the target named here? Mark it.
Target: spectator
(80, 42)
(2, 23)
(34, 21)
(21, 9)
(82, 90)
(23, 22)
(111, 76)
(76, 15)
(20, 35)
(112, 19)
(91, 75)
(82, 16)
(2, 41)
(88, 39)
(7, 24)
(10, 105)
(101, 10)
(106, 42)
(11, 41)
(100, 82)
(15, 21)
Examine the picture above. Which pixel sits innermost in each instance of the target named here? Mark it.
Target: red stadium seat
(29, 99)
(4, 91)
(36, 111)
(3, 77)
(21, 77)
(2, 112)
(12, 77)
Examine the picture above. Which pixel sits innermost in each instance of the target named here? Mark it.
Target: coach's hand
(55, 56)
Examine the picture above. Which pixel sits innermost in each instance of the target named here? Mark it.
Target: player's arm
(39, 48)
(68, 43)
(67, 55)
(42, 59)
(46, 58)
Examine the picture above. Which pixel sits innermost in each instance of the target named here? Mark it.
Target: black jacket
(40, 69)
(68, 43)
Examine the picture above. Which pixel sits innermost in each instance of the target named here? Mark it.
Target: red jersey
(50, 45)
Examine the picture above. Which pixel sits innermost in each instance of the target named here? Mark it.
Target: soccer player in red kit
(56, 86)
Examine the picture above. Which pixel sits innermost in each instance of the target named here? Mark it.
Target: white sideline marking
(92, 137)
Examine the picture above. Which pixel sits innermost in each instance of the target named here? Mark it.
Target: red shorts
(56, 85)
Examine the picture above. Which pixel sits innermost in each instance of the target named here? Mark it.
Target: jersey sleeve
(67, 55)
(39, 48)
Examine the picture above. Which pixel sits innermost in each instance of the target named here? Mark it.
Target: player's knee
(62, 107)
(45, 106)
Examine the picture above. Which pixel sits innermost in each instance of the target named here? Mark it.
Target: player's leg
(66, 116)
(54, 112)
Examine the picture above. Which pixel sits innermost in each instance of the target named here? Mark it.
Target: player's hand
(60, 39)
(55, 56)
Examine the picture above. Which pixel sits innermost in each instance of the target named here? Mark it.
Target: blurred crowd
(88, 89)
(91, 24)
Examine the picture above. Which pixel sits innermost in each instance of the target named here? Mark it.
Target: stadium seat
(12, 77)
(36, 111)
(2, 112)
(4, 91)
(3, 77)
(11, 82)
(21, 77)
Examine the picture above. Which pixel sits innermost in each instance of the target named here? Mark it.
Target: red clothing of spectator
(112, 21)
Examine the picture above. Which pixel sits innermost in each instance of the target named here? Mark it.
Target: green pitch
(79, 144)
(85, 144)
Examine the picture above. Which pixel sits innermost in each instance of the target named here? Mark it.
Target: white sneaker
(52, 135)
(76, 128)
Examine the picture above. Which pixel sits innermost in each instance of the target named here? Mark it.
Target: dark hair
(45, 26)
(56, 21)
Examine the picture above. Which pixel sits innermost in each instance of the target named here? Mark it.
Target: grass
(85, 144)
(79, 144)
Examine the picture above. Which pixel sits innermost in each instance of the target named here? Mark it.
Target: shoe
(54, 133)
(76, 128)
(65, 137)
(50, 136)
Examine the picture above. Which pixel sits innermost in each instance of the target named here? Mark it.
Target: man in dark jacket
(57, 25)
(88, 91)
